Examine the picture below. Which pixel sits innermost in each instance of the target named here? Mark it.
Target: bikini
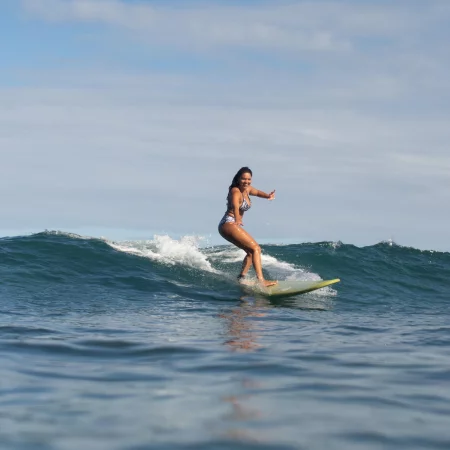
(245, 206)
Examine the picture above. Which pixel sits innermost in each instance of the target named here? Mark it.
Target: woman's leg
(248, 260)
(239, 237)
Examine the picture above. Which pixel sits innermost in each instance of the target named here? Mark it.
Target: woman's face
(245, 181)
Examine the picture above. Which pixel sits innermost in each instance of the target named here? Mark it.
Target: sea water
(153, 345)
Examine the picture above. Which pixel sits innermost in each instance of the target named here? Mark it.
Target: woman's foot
(267, 283)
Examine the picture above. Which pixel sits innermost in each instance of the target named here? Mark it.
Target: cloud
(110, 12)
(79, 157)
(293, 25)
(340, 106)
(287, 26)
(377, 49)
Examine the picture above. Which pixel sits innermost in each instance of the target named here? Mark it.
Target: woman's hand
(239, 223)
(271, 195)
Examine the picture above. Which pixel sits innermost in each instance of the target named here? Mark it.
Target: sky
(129, 118)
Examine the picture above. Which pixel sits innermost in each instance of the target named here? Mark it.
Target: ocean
(153, 345)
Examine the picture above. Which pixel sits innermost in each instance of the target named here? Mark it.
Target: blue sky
(129, 118)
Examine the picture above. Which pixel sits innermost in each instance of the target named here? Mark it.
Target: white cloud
(363, 49)
(355, 141)
(294, 26)
(94, 158)
(106, 11)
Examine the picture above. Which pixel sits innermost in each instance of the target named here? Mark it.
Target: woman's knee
(255, 248)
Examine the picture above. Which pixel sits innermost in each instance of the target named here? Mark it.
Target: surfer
(230, 227)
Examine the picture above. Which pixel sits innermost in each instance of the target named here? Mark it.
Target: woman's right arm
(236, 203)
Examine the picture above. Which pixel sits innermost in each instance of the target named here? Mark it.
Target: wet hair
(240, 172)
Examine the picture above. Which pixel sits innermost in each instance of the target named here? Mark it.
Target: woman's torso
(246, 204)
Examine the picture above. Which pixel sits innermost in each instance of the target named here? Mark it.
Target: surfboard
(292, 287)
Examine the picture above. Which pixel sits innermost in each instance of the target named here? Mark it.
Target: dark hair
(240, 172)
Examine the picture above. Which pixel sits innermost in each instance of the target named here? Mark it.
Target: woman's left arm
(261, 194)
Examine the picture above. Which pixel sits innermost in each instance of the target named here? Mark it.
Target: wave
(164, 264)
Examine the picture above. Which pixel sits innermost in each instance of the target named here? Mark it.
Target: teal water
(152, 345)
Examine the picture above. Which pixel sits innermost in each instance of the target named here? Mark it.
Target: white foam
(65, 234)
(184, 251)
(228, 255)
(336, 244)
(277, 269)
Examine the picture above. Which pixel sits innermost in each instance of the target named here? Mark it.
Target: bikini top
(245, 206)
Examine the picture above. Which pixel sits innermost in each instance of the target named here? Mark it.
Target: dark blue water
(152, 345)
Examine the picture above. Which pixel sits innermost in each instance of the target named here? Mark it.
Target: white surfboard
(287, 287)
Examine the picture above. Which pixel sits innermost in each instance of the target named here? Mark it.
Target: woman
(230, 227)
